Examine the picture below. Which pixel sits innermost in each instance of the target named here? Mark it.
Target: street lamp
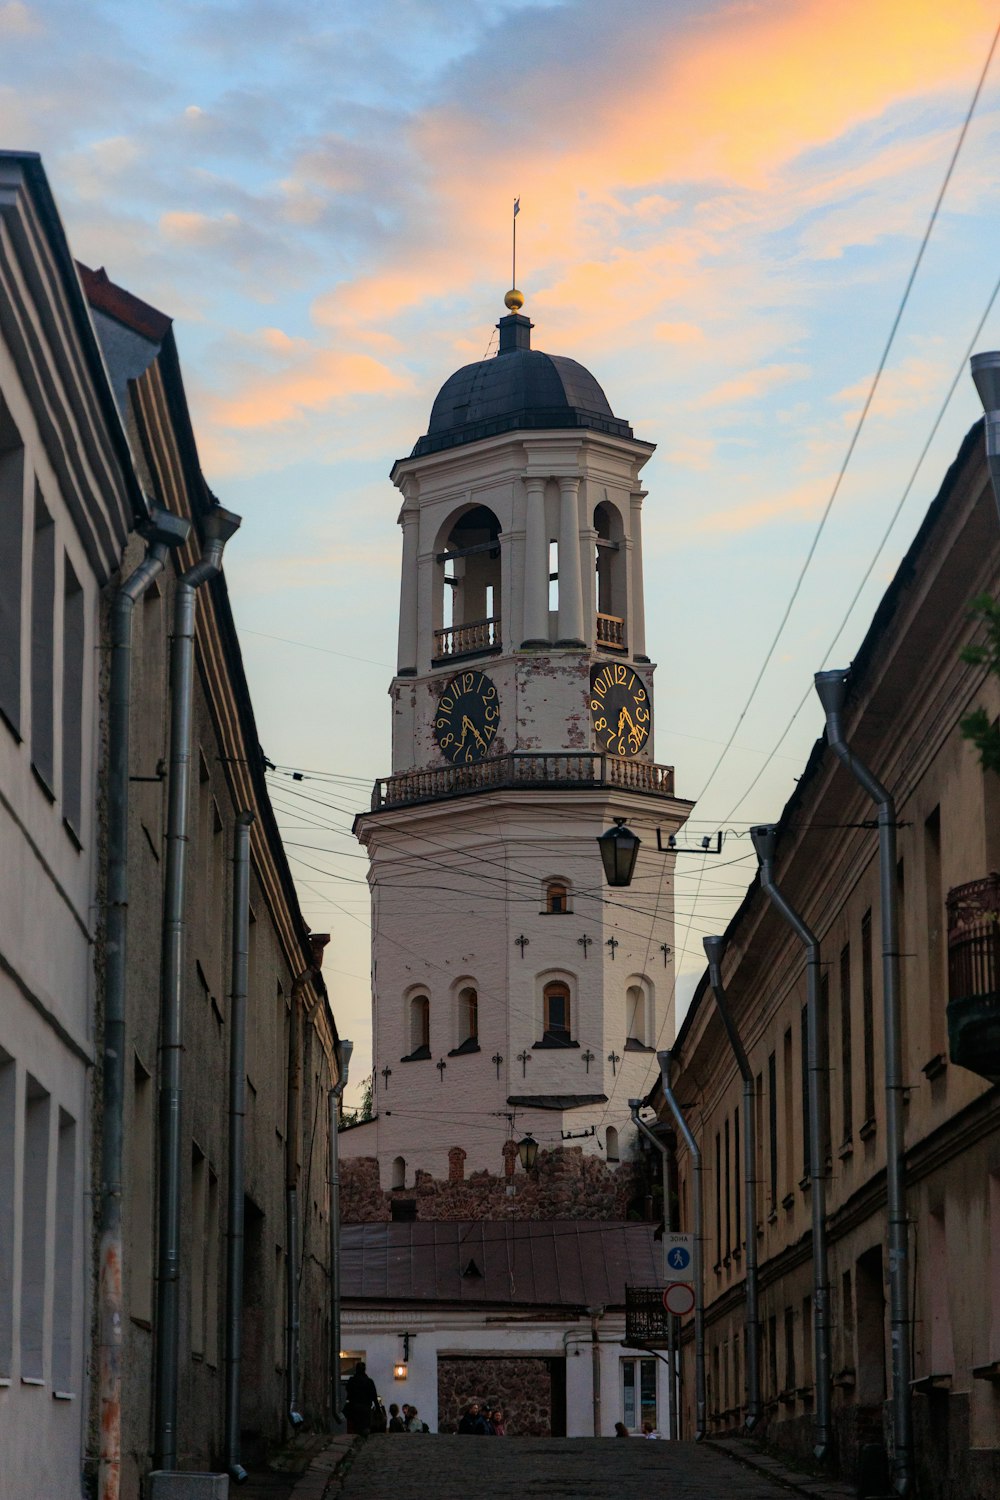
(527, 1150)
(986, 374)
(619, 847)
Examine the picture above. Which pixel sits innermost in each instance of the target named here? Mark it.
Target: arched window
(470, 580)
(557, 1011)
(468, 1015)
(635, 1014)
(420, 1026)
(611, 1143)
(609, 564)
(557, 898)
(399, 1172)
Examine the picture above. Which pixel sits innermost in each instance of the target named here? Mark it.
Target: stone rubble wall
(566, 1184)
(521, 1387)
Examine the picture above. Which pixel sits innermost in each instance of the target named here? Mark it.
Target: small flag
(517, 207)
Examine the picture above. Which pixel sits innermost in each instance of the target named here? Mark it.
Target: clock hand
(467, 726)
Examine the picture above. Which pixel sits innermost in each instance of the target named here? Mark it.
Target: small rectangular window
(43, 608)
(557, 1010)
(72, 697)
(772, 1121)
(846, 1089)
(790, 1381)
(11, 547)
(8, 1104)
(63, 1285)
(34, 1229)
(868, 1013)
(804, 1039)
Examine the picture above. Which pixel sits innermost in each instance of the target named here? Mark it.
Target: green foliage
(977, 727)
(365, 1113)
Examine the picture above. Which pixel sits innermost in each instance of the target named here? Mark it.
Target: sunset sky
(720, 207)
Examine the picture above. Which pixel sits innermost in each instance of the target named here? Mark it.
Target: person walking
(362, 1398)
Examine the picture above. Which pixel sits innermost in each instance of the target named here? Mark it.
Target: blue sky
(721, 204)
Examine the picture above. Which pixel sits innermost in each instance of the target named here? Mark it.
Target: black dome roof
(520, 388)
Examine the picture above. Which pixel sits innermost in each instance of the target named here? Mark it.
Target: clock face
(619, 709)
(467, 718)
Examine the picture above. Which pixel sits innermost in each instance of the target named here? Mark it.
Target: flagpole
(513, 258)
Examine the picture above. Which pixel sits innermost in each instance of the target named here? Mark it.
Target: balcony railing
(611, 633)
(526, 769)
(974, 976)
(474, 639)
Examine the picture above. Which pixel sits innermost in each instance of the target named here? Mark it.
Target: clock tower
(514, 992)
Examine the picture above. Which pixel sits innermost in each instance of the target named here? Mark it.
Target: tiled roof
(559, 1263)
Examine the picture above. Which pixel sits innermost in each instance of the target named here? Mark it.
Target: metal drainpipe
(714, 948)
(164, 531)
(634, 1106)
(764, 839)
(237, 1121)
(293, 1125)
(596, 1314)
(335, 1096)
(219, 525)
(664, 1060)
(832, 690)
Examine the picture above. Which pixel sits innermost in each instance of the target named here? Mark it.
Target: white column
(536, 566)
(636, 625)
(570, 581)
(406, 654)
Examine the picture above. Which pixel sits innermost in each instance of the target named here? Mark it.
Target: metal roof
(558, 1263)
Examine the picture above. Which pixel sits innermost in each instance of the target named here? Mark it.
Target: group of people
(365, 1412)
(648, 1430)
(483, 1421)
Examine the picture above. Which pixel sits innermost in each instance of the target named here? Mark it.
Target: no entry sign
(679, 1298)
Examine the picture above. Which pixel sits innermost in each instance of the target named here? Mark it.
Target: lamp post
(527, 1150)
(619, 847)
(335, 1096)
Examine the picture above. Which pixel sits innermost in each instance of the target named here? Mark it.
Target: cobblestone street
(451, 1468)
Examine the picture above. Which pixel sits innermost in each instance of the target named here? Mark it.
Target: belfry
(513, 992)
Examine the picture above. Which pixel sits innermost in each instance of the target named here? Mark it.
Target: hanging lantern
(619, 847)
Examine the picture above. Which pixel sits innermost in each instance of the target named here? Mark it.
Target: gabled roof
(553, 1264)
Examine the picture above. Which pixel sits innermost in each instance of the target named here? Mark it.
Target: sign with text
(678, 1256)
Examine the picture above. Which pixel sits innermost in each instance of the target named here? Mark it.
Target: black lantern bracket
(707, 845)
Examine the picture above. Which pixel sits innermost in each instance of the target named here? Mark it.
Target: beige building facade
(908, 691)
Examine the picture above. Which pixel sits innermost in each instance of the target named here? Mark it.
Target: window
(8, 1098)
(72, 697)
(718, 1200)
(638, 1393)
(11, 541)
(807, 1341)
(557, 1017)
(737, 1196)
(790, 1381)
(788, 1119)
(868, 1011)
(63, 1284)
(199, 1227)
(420, 1026)
(934, 929)
(729, 1196)
(635, 1014)
(212, 1270)
(43, 604)
(34, 1229)
(772, 1122)
(399, 1172)
(611, 1143)
(846, 1100)
(806, 1157)
(557, 898)
(468, 1017)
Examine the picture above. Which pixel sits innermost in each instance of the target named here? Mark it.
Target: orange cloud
(803, 502)
(312, 380)
(751, 385)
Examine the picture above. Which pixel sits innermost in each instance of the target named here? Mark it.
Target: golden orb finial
(514, 300)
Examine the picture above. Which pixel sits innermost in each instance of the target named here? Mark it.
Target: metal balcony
(556, 772)
(974, 976)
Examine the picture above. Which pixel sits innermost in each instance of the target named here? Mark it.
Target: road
(414, 1467)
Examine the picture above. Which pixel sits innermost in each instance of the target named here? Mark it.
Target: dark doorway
(254, 1385)
(870, 1323)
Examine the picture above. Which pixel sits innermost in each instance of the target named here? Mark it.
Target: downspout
(163, 532)
(634, 1106)
(764, 840)
(714, 948)
(664, 1060)
(293, 1123)
(832, 690)
(335, 1096)
(219, 525)
(596, 1314)
(237, 1124)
